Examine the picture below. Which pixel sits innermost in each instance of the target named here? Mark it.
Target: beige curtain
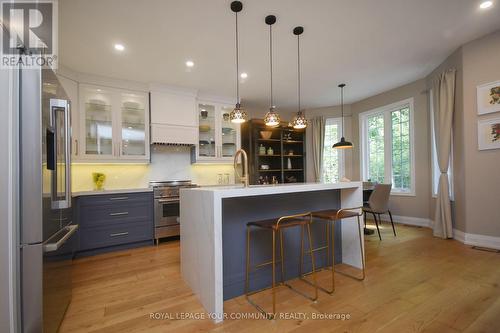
(318, 141)
(443, 99)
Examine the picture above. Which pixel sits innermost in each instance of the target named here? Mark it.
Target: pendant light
(237, 115)
(299, 121)
(272, 118)
(342, 144)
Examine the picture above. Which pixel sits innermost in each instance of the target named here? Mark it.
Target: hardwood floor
(414, 283)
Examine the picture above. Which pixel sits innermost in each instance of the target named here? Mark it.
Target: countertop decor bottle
(289, 164)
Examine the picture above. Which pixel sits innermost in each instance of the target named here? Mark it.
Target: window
(332, 158)
(387, 152)
(435, 167)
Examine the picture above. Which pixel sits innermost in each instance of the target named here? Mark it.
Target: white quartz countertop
(255, 190)
(114, 191)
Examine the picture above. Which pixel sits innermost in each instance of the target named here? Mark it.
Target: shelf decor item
(262, 149)
(266, 135)
(488, 98)
(272, 118)
(488, 134)
(342, 144)
(237, 115)
(98, 178)
(299, 121)
(270, 151)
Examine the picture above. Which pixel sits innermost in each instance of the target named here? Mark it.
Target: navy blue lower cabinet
(114, 221)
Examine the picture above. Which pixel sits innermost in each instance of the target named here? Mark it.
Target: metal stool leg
(273, 263)
(362, 257)
(274, 273)
(329, 247)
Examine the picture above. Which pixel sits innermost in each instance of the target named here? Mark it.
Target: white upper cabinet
(173, 116)
(219, 138)
(113, 125)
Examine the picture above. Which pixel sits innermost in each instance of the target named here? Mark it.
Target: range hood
(174, 119)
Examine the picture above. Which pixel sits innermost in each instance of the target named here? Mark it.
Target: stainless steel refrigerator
(48, 237)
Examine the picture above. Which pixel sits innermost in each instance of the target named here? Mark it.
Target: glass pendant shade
(299, 121)
(272, 119)
(238, 115)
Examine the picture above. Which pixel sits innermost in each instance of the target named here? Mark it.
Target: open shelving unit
(287, 144)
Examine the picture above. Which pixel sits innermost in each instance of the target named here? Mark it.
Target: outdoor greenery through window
(332, 157)
(376, 148)
(401, 148)
(387, 150)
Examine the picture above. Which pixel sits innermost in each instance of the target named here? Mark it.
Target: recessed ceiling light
(244, 75)
(486, 4)
(119, 47)
(189, 63)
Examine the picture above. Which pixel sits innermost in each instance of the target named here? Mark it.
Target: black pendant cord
(237, 64)
(298, 67)
(271, 60)
(341, 86)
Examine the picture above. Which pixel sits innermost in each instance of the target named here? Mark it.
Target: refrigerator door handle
(54, 246)
(60, 105)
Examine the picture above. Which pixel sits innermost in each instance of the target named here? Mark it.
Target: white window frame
(435, 172)
(363, 139)
(336, 121)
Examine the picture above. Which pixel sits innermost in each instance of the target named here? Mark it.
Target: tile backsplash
(167, 163)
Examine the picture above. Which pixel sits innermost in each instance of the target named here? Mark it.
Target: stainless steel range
(166, 206)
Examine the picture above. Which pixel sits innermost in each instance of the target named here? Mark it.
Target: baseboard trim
(477, 240)
(463, 237)
(409, 220)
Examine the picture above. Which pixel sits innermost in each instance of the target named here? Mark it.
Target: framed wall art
(488, 134)
(488, 98)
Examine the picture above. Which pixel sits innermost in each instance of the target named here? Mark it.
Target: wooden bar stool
(276, 226)
(330, 217)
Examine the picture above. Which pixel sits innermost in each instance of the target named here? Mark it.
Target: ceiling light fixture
(237, 115)
(189, 63)
(342, 144)
(119, 47)
(299, 121)
(486, 4)
(244, 75)
(272, 118)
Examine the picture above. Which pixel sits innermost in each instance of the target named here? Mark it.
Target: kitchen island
(213, 234)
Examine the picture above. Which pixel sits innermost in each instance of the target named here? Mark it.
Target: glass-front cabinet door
(229, 133)
(134, 117)
(97, 112)
(207, 147)
(219, 138)
(114, 125)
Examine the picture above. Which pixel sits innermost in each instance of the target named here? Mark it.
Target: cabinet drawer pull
(119, 198)
(118, 214)
(119, 234)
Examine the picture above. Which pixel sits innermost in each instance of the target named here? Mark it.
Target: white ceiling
(371, 45)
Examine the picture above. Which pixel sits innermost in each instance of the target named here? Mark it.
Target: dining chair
(379, 204)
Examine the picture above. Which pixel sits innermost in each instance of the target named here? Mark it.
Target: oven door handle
(176, 200)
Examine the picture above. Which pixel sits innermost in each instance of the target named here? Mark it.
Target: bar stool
(329, 217)
(277, 226)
